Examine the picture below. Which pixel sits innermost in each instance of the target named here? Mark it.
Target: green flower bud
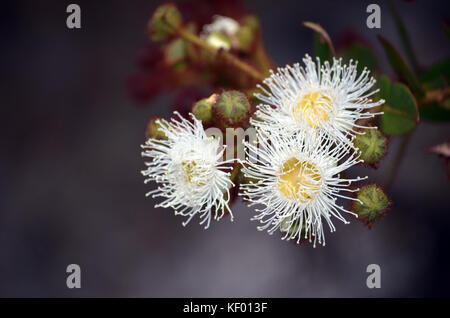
(235, 173)
(232, 109)
(374, 204)
(164, 19)
(252, 22)
(372, 144)
(152, 129)
(245, 37)
(202, 109)
(293, 229)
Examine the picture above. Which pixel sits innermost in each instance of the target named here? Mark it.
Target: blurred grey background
(71, 191)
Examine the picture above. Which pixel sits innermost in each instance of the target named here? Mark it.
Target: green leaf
(435, 83)
(403, 35)
(436, 78)
(399, 65)
(323, 47)
(435, 112)
(440, 72)
(175, 52)
(372, 145)
(373, 203)
(384, 85)
(321, 50)
(400, 109)
(362, 54)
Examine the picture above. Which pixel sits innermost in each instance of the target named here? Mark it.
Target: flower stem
(227, 56)
(397, 161)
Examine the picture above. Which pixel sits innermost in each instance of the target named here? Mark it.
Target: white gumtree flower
(294, 180)
(317, 98)
(189, 171)
(221, 24)
(218, 33)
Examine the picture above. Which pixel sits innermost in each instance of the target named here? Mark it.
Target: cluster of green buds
(207, 53)
(229, 109)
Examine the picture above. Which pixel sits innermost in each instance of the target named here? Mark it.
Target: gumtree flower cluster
(305, 135)
(311, 125)
(171, 63)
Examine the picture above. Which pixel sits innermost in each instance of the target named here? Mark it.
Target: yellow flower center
(314, 109)
(192, 173)
(299, 180)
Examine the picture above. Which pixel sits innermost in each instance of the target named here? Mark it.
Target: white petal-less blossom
(221, 24)
(189, 171)
(294, 180)
(218, 33)
(317, 98)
